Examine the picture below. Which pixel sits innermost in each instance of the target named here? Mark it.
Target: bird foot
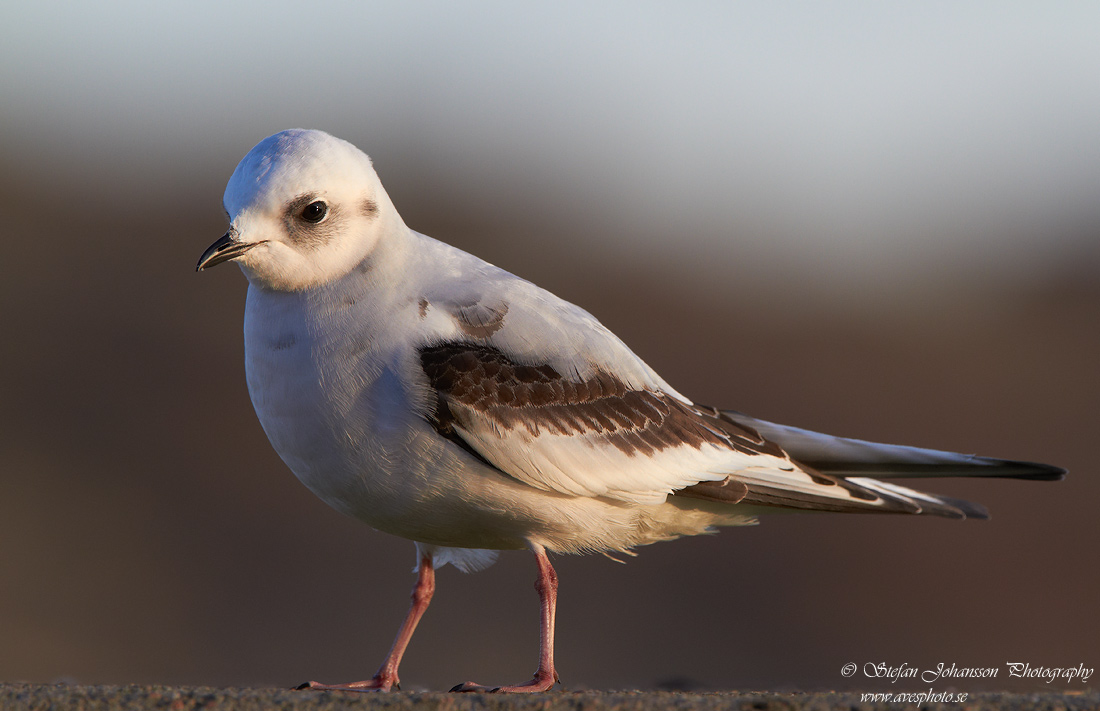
(378, 683)
(541, 682)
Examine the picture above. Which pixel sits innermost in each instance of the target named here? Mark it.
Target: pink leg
(545, 676)
(386, 678)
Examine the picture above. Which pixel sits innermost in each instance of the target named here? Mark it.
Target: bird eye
(315, 211)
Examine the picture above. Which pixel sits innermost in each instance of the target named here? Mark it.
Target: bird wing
(591, 436)
(539, 389)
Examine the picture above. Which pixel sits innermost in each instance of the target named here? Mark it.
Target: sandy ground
(15, 697)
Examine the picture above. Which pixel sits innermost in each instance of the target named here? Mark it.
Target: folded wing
(538, 389)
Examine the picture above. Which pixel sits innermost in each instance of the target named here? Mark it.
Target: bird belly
(345, 422)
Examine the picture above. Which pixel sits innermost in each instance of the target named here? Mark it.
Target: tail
(847, 475)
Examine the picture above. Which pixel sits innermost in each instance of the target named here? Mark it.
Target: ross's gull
(436, 397)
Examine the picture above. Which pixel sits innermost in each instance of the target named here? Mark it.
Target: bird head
(304, 209)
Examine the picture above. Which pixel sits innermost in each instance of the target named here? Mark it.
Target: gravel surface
(95, 698)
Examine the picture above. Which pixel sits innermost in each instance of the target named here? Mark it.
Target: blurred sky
(880, 220)
(863, 143)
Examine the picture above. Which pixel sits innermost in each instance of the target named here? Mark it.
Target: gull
(438, 398)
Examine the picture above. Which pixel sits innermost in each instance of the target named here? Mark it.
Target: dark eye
(315, 211)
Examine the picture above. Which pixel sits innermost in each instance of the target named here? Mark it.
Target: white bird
(439, 398)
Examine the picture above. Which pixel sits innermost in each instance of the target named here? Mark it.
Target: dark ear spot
(368, 208)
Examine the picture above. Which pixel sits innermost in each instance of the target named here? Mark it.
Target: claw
(469, 686)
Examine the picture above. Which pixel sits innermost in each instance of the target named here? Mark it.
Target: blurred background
(875, 220)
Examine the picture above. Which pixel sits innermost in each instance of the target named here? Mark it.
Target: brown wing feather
(540, 399)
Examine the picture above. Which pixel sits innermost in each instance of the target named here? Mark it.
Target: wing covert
(593, 436)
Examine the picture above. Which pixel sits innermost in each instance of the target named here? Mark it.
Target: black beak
(223, 250)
